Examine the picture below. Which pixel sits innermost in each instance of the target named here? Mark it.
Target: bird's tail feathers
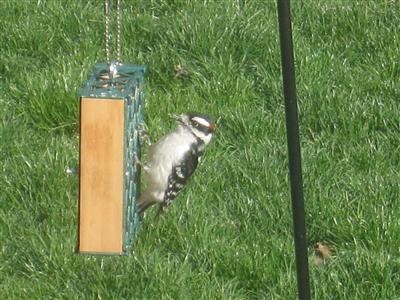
(143, 203)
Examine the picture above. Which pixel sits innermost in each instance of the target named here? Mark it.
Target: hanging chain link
(118, 43)
(107, 35)
(107, 30)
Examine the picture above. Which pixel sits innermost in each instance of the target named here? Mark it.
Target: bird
(322, 253)
(173, 160)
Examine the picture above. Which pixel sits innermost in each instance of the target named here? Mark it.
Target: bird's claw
(143, 133)
(137, 161)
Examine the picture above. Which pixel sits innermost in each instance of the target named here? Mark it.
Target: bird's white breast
(164, 154)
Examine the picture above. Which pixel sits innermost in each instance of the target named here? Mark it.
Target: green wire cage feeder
(111, 114)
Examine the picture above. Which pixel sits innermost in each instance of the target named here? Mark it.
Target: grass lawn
(229, 234)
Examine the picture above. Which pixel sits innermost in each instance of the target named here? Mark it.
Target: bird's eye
(195, 123)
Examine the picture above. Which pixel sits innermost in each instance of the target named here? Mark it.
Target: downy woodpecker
(173, 159)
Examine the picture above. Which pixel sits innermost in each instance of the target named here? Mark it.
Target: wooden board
(101, 175)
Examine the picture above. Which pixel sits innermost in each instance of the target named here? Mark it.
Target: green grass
(229, 234)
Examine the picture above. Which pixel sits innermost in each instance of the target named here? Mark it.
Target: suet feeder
(111, 112)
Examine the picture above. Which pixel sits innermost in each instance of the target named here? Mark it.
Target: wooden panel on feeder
(101, 175)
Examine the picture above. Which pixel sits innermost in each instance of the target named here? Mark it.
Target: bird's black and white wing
(181, 172)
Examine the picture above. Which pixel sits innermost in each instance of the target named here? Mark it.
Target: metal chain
(118, 42)
(107, 30)
(107, 35)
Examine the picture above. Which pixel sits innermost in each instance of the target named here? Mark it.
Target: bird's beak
(177, 118)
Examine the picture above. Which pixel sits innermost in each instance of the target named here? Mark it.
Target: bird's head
(200, 125)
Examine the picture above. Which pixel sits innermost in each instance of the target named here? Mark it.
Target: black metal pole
(293, 142)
